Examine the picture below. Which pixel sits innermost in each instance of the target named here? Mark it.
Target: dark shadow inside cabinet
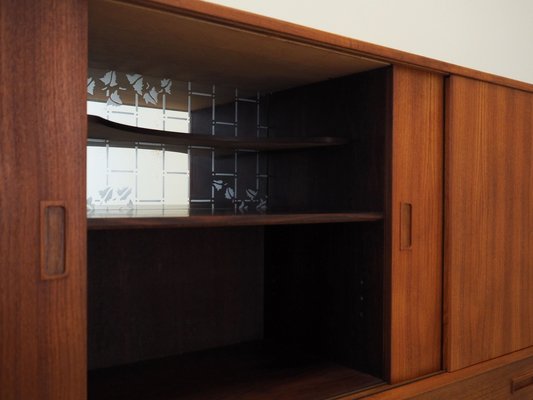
(288, 309)
(245, 312)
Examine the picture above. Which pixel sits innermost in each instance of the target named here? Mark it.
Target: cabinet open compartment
(243, 312)
(252, 156)
(268, 280)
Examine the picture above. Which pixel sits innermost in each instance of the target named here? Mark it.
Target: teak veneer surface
(488, 186)
(42, 151)
(488, 222)
(414, 281)
(491, 380)
(207, 219)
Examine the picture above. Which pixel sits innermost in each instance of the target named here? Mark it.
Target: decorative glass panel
(133, 176)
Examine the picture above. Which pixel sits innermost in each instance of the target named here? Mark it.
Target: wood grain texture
(489, 222)
(274, 28)
(53, 238)
(100, 128)
(209, 220)
(251, 371)
(522, 381)
(349, 177)
(415, 278)
(42, 153)
(521, 362)
(158, 293)
(494, 384)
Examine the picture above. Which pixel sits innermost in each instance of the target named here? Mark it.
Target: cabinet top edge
(256, 23)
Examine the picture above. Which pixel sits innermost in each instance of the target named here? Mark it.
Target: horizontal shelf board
(244, 371)
(186, 218)
(100, 128)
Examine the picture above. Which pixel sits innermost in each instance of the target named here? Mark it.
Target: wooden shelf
(190, 218)
(100, 128)
(243, 371)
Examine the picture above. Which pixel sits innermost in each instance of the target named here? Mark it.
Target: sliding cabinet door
(43, 54)
(415, 215)
(488, 221)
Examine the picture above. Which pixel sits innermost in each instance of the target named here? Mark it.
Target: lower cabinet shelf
(246, 371)
(237, 312)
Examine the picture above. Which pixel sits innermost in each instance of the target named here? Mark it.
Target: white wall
(495, 36)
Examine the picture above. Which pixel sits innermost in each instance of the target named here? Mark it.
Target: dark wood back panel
(323, 292)
(350, 177)
(165, 292)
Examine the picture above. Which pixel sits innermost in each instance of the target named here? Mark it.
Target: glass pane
(137, 175)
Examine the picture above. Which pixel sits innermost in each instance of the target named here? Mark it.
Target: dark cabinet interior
(235, 311)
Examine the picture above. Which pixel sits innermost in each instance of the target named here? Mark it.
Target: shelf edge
(100, 128)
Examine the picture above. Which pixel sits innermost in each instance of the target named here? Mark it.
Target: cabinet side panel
(42, 159)
(416, 243)
(489, 220)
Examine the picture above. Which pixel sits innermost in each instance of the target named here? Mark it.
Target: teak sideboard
(392, 260)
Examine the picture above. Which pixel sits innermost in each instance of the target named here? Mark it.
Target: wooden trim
(47, 231)
(521, 382)
(208, 220)
(426, 384)
(406, 223)
(285, 30)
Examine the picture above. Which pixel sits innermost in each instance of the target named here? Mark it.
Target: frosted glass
(96, 172)
(125, 117)
(149, 175)
(176, 125)
(123, 185)
(176, 162)
(96, 108)
(128, 175)
(151, 118)
(122, 159)
(176, 188)
(135, 175)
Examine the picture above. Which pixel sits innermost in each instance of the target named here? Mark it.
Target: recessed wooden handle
(406, 228)
(53, 240)
(521, 382)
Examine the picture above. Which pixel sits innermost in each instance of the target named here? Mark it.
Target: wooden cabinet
(359, 162)
(488, 221)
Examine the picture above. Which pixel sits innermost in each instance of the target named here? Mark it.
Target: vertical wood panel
(489, 221)
(416, 270)
(42, 157)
